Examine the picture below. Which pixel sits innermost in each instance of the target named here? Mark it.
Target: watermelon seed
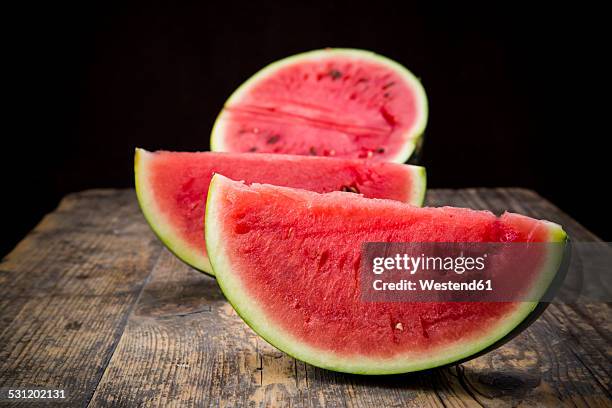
(273, 139)
(389, 118)
(323, 259)
(360, 80)
(389, 85)
(312, 151)
(386, 94)
(350, 189)
(380, 150)
(255, 130)
(399, 327)
(335, 74)
(253, 149)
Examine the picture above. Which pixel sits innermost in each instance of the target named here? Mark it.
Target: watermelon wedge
(288, 262)
(172, 187)
(332, 102)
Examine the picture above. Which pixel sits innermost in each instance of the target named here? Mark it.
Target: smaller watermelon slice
(289, 262)
(332, 102)
(172, 187)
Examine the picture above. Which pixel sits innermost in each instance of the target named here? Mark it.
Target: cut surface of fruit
(289, 262)
(331, 102)
(172, 187)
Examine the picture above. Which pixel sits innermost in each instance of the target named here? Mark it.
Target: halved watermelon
(288, 261)
(172, 187)
(331, 102)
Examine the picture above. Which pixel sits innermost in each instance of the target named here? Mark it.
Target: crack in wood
(121, 329)
(464, 383)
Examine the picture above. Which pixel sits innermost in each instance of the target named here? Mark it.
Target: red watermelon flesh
(172, 187)
(334, 102)
(288, 261)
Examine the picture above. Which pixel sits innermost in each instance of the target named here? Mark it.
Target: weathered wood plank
(567, 357)
(184, 345)
(181, 345)
(67, 289)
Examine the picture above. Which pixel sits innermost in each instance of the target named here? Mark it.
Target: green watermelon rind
(413, 136)
(186, 252)
(419, 186)
(253, 315)
(162, 228)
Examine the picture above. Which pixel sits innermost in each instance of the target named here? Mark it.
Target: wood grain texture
(67, 289)
(91, 302)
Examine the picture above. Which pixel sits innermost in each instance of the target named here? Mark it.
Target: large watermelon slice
(288, 261)
(331, 102)
(172, 187)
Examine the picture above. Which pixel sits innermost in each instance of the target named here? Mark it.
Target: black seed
(350, 189)
(380, 150)
(312, 151)
(335, 74)
(253, 149)
(387, 94)
(360, 80)
(389, 85)
(273, 139)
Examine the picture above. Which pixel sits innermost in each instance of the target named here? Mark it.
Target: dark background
(516, 94)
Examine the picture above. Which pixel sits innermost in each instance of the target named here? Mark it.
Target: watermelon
(172, 187)
(288, 262)
(332, 102)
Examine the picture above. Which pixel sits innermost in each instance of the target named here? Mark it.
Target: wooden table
(92, 303)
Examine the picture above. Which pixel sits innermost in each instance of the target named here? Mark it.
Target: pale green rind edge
(158, 222)
(419, 186)
(254, 316)
(411, 137)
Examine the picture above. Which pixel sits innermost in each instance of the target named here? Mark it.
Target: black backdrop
(512, 91)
